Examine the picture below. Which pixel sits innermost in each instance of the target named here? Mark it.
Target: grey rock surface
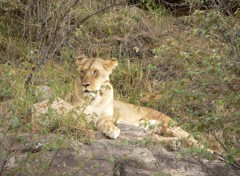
(43, 93)
(132, 154)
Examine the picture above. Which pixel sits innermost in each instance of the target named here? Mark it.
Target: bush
(186, 67)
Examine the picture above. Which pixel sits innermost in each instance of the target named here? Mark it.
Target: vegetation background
(179, 57)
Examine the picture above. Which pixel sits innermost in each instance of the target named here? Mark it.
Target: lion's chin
(88, 93)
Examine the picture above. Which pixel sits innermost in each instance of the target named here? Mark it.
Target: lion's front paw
(111, 131)
(107, 127)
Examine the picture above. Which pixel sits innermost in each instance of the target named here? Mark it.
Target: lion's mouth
(88, 91)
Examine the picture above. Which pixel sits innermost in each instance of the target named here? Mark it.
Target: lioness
(93, 93)
(93, 97)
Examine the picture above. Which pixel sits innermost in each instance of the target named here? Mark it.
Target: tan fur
(96, 99)
(131, 114)
(98, 103)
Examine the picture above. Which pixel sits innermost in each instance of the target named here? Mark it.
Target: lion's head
(93, 73)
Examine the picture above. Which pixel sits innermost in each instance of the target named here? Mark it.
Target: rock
(143, 155)
(131, 171)
(43, 93)
(129, 155)
(60, 106)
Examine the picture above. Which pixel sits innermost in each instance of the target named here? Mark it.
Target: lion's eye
(82, 72)
(96, 72)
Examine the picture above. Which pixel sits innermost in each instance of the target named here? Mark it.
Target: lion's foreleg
(107, 127)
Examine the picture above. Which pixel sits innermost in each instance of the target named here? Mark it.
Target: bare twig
(47, 43)
(220, 156)
(52, 160)
(46, 52)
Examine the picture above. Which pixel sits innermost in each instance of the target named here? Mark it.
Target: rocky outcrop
(134, 153)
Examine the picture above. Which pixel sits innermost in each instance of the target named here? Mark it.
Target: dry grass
(184, 62)
(180, 66)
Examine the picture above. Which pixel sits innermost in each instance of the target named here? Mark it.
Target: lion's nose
(85, 84)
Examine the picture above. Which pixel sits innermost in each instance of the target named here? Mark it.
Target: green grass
(185, 67)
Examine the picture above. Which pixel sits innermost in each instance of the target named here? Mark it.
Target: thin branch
(235, 164)
(52, 160)
(45, 50)
(46, 55)
(213, 135)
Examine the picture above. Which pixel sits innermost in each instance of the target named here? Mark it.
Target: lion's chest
(99, 108)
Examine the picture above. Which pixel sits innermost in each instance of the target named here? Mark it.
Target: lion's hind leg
(171, 135)
(154, 126)
(159, 131)
(187, 138)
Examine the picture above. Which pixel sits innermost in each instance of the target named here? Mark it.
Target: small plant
(188, 69)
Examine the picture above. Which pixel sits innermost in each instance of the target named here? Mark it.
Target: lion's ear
(110, 64)
(80, 60)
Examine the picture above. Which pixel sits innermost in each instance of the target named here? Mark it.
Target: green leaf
(15, 123)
